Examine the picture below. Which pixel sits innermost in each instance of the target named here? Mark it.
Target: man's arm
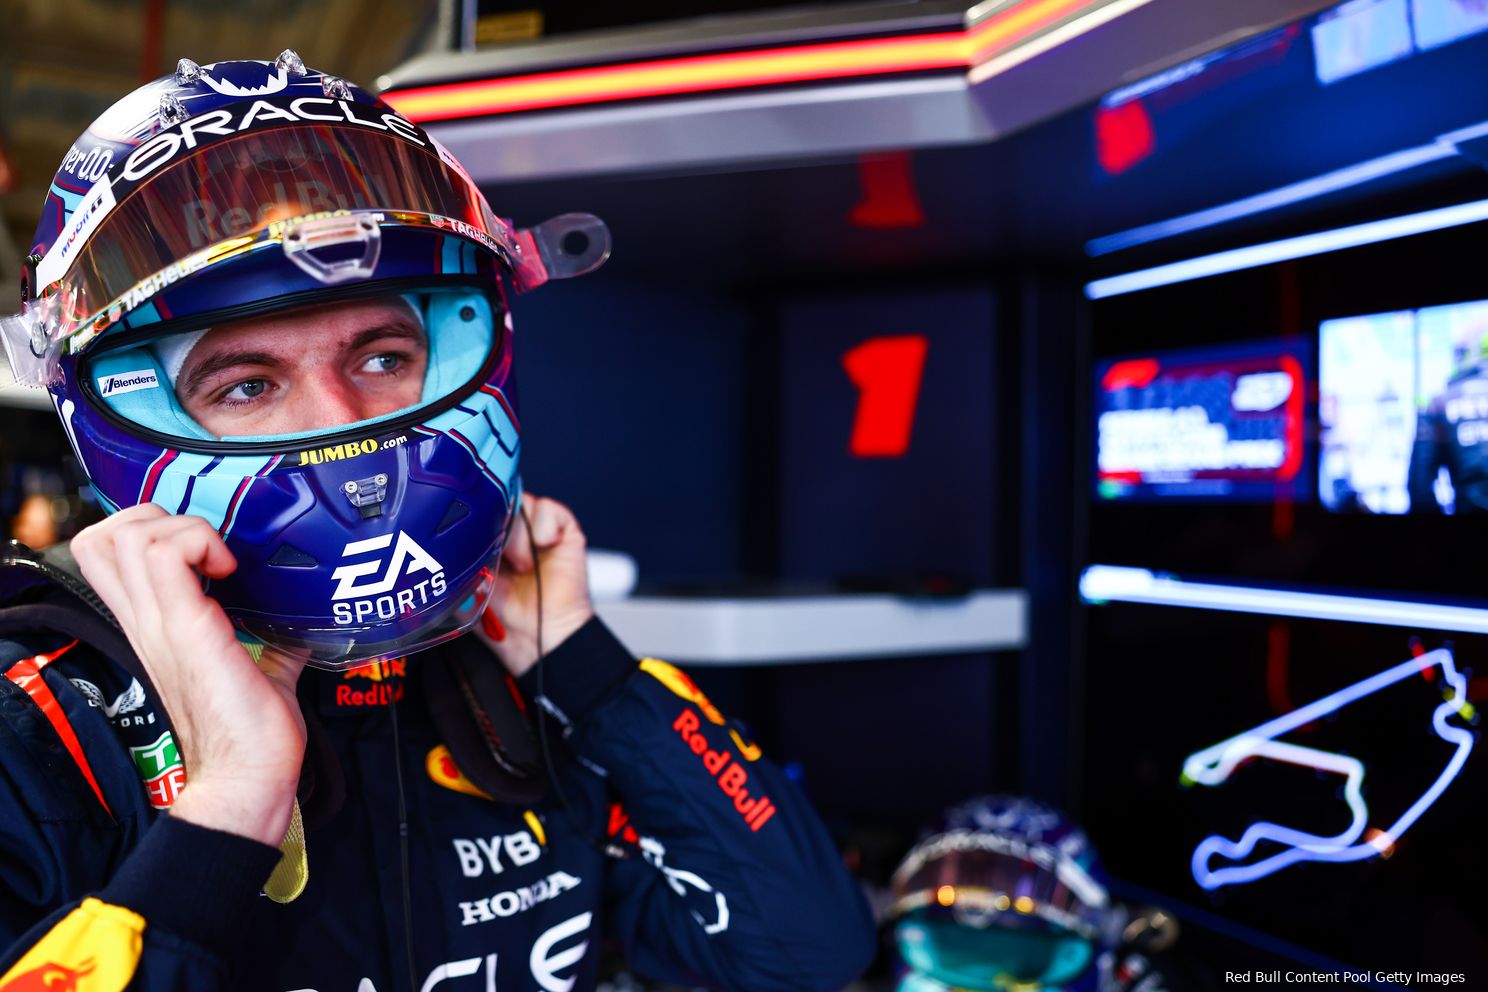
(164, 916)
(736, 884)
(162, 919)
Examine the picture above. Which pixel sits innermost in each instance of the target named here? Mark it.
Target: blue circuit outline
(1214, 765)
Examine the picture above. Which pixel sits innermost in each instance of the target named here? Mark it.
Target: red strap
(26, 673)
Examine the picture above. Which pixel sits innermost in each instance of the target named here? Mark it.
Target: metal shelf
(790, 629)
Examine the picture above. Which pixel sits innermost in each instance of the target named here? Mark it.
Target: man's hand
(565, 585)
(238, 726)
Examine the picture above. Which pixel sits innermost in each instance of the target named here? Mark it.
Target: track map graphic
(1266, 847)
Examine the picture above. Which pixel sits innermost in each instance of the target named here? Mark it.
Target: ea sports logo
(364, 589)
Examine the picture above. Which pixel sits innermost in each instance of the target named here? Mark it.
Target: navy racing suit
(668, 831)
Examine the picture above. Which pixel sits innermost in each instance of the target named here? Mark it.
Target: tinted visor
(227, 195)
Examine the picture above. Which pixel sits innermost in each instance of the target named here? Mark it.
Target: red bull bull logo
(440, 765)
(676, 680)
(49, 978)
(94, 948)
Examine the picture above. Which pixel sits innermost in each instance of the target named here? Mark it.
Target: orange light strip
(734, 70)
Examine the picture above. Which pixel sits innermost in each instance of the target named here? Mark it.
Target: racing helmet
(1003, 892)
(247, 191)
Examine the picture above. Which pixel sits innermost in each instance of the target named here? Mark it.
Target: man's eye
(248, 389)
(386, 362)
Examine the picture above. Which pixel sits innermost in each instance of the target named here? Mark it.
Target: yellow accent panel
(537, 827)
(749, 752)
(292, 873)
(676, 680)
(95, 948)
(440, 765)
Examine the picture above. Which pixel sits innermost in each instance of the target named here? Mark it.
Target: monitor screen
(1353, 37)
(1438, 22)
(1224, 422)
(1403, 411)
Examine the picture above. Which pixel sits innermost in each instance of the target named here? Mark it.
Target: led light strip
(1214, 765)
(1284, 196)
(961, 49)
(1444, 147)
(1302, 246)
(1114, 584)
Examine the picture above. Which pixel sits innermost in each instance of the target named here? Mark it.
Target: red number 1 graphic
(887, 372)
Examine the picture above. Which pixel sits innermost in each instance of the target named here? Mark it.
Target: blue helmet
(1003, 892)
(242, 190)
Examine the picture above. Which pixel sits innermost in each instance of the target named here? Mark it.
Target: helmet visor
(983, 878)
(250, 193)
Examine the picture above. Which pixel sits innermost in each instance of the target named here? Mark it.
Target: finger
(553, 523)
(202, 547)
(158, 560)
(96, 557)
(142, 576)
(518, 551)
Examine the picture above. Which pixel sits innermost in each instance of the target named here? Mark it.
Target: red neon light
(1296, 414)
(889, 198)
(1123, 136)
(733, 70)
(887, 372)
(1137, 373)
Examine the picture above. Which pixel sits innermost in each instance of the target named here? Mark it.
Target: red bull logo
(387, 683)
(49, 978)
(730, 775)
(440, 765)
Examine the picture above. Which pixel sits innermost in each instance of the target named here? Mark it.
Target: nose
(331, 399)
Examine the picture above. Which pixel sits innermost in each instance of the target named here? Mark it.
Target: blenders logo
(358, 601)
(225, 122)
(127, 382)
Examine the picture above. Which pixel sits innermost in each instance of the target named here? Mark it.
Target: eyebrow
(223, 361)
(404, 329)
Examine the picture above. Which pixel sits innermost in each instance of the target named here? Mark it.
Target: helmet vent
(172, 110)
(289, 62)
(457, 511)
(289, 556)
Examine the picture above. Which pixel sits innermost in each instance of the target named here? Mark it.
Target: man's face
(308, 369)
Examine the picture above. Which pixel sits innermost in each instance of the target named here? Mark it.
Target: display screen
(1353, 37)
(1438, 22)
(1403, 411)
(1219, 422)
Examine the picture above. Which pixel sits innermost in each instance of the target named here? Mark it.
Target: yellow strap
(292, 873)
(95, 948)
